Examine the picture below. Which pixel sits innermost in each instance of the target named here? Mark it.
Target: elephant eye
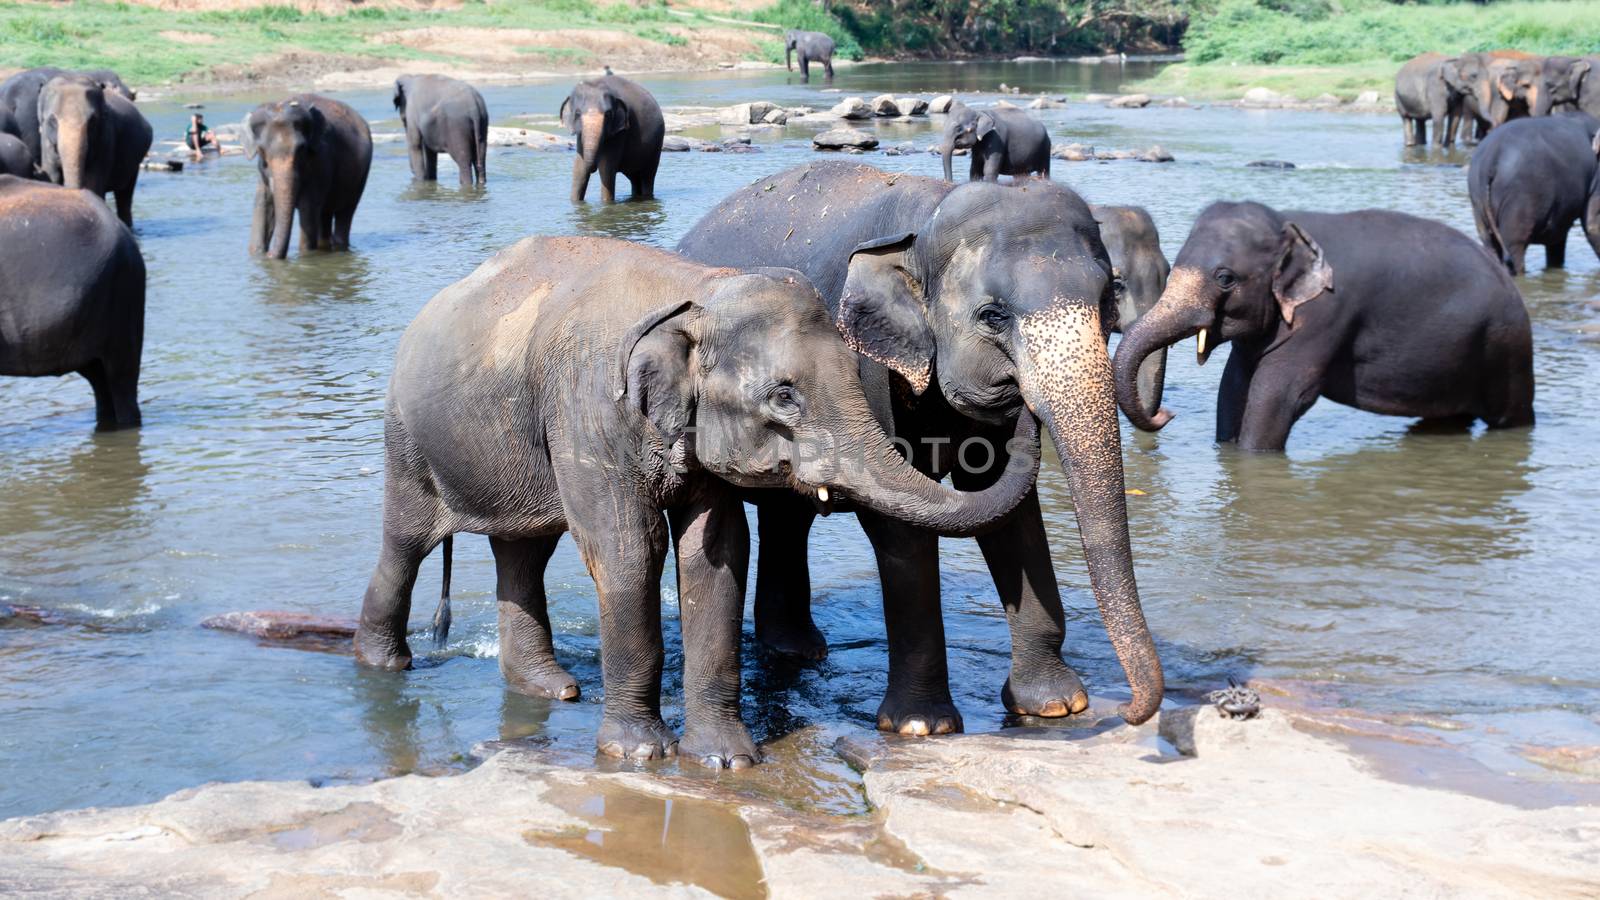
(1225, 278)
(993, 317)
(784, 400)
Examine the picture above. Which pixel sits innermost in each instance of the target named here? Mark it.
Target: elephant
(313, 154)
(92, 138)
(619, 128)
(15, 158)
(591, 385)
(1421, 94)
(1529, 181)
(9, 125)
(1003, 142)
(443, 115)
(80, 309)
(1139, 270)
(1493, 87)
(1374, 309)
(1561, 82)
(969, 304)
(810, 46)
(20, 93)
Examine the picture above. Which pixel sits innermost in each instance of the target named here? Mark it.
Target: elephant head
(594, 114)
(791, 42)
(1561, 84)
(1518, 86)
(76, 134)
(964, 128)
(284, 139)
(111, 81)
(1008, 289)
(1241, 275)
(751, 383)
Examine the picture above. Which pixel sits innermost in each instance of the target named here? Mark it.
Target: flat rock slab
(1129, 101)
(1250, 808)
(844, 139)
(1269, 164)
(303, 631)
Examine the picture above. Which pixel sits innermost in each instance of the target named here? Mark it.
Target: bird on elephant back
(971, 305)
(1530, 180)
(312, 154)
(626, 395)
(1377, 310)
(619, 128)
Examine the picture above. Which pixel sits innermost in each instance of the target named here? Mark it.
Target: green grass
(127, 38)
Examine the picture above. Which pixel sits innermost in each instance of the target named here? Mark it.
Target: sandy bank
(1258, 807)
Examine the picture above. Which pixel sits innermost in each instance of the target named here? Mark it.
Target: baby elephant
(1529, 181)
(1373, 309)
(624, 394)
(443, 115)
(810, 46)
(80, 311)
(1003, 142)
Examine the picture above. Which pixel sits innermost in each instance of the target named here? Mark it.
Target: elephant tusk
(822, 494)
(1200, 347)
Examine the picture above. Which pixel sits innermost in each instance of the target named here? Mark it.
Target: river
(1452, 576)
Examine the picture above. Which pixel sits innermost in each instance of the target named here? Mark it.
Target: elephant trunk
(1152, 382)
(590, 129)
(72, 149)
(788, 65)
(1158, 329)
(947, 150)
(284, 201)
(1066, 380)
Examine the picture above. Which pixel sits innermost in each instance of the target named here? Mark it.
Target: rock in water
(303, 631)
(885, 105)
(1130, 101)
(1156, 154)
(1046, 103)
(1073, 152)
(844, 138)
(852, 108)
(912, 106)
(941, 103)
(776, 117)
(746, 113)
(1269, 164)
(1262, 97)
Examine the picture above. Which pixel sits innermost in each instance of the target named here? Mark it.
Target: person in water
(198, 137)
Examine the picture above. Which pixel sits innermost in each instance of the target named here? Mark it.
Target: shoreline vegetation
(1300, 49)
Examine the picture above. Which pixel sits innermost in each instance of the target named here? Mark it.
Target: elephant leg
(261, 220)
(805, 68)
(644, 186)
(608, 179)
(411, 529)
(827, 68)
(481, 157)
(992, 164)
(430, 161)
(310, 226)
(1232, 395)
(712, 541)
(1408, 132)
(580, 179)
(624, 546)
(1555, 250)
(419, 166)
(342, 221)
(917, 700)
(116, 392)
(461, 155)
(975, 167)
(1515, 256)
(783, 579)
(105, 408)
(1280, 393)
(325, 236)
(527, 652)
(124, 199)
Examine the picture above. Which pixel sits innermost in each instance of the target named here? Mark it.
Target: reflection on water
(1446, 574)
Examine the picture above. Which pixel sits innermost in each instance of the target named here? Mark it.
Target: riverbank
(1192, 805)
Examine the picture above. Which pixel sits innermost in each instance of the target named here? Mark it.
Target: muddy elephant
(1377, 310)
(20, 93)
(1002, 142)
(1421, 95)
(92, 138)
(624, 394)
(15, 158)
(619, 128)
(80, 311)
(970, 304)
(1529, 181)
(1139, 270)
(443, 115)
(313, 154)
(810, 46)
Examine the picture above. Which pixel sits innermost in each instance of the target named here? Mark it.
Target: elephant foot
(723, 745)
(640, 738)
(1048, 691)
(918, 717)
(550, 684)
(797, 640)
(382, 651)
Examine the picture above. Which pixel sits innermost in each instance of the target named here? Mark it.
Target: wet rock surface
(844, 139)
(1194, 805)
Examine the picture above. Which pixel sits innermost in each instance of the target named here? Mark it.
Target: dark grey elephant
(810, 46)
(970, 304)
(1493, 87)
(1140, 271)
(1571, 84)
(1421, 95)
(1002, 141)
(92, 138)
(443, 115)
(313, 154)
(76, 308)
(623, 394)
(1529, 181)
(15, 158)
(1316, 306)
(619, 128)
(10, 125)
(20, 93)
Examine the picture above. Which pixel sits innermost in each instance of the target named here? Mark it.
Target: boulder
(884, 105)
(852, 108)
(1367, 98)
(1046, 103)
(844, 139)
(1130, 101)
(1156, 154)
(905, 149)
(941, 103)
(745, 113)
(1073, 152)
(912, 106)
(1261, 97)
(1116, 154)
(1326, 100)
(527, 137)
(677, 143)
(1175, 103)
(776, 117)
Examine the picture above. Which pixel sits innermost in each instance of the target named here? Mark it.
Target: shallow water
(1452, 575)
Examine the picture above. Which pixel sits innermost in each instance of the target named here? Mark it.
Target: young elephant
(1529, 181)
(811, 46)
(313, 154)
(443, 115)
(619, 128)
(93, 138)
(1002, 141)
(1377, 310)
(1140, 271)
(78, 307)
(589, 385)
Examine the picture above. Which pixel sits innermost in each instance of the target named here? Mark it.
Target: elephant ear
(567, 121)
(400, 97)
(622, 120)
(881, 312)
(983, 126)
(247, 136)
(1302, 274)
(319, 126)
(1575, 75)
(1595, 144)
(653, 369)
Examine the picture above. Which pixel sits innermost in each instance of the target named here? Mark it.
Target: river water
(1454, 576)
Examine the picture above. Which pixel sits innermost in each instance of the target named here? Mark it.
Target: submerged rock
(1156, 154)
(844, 138)
(1047, 103)
(884, 105)
(1130, 101)
(1073, 152)
(303, 631)
(904, 149)
(1269, 164)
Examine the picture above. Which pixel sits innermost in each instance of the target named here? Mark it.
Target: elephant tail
(441, 616)
(1491, 221)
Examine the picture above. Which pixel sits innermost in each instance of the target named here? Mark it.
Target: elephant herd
(1472, 93)
(638, 398)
